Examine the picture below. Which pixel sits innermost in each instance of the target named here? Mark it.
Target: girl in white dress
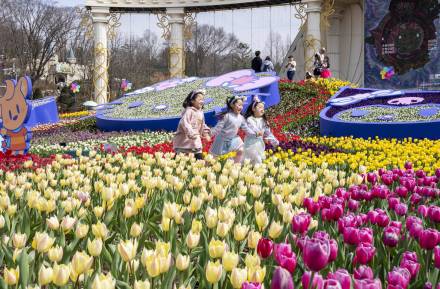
(254, 145)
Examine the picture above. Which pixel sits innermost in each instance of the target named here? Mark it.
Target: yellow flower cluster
(333, 84)
(76, 114)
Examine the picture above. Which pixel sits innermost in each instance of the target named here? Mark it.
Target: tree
(37, 29)
(277, 48)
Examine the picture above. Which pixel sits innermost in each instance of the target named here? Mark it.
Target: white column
(177, 51)
(313, 33)
(100, 17)
(333, 43)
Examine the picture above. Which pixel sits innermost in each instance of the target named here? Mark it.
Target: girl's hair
(230, 102)
(191, 96)
(250, 109)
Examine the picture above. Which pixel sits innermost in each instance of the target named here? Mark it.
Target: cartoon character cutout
(242, 80)
(15, 110)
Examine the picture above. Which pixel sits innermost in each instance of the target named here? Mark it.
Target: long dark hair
(191, 96)
(250, 112)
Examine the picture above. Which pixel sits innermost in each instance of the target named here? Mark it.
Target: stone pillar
(313, 33)
(333, 42)
(177, 45)
(100, 18)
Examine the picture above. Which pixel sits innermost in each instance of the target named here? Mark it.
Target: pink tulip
(402, 191)
(420, 173)
(351, 236)
(434, 214)
(316, 254)
(285, 257)
(333, 250)
(401, 209)
(318, 282)
(367, 284)
(372, 178)
(387, 179)
(312, 207)
(281, 279)
(437, 173)
(353, 205)
(437, 257)
(366, 235)
(422, 210)
(332, 284)
(251, 285)
(428, 239)
(363, 272)
(399, 277)
(364, 253)
(323, 235)
(336, 211)
(416, 230)
(396, 224)
(412, 266)
(392, 202)
(342, 276)
(427, 285)
(410, 184)
(301, 223)
(391, 236)
(408, 165)
(382, 220)
(264, 248)
(341, 193)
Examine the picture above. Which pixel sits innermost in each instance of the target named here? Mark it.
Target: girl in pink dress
(192, 127)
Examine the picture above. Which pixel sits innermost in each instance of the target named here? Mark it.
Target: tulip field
(88, 209)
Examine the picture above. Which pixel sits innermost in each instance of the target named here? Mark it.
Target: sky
(252, 26)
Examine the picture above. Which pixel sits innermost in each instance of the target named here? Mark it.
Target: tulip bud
(230, 261)
(182, 262)
(94, 247)
(45, 275)
(214, 272)
(55, 254)
(61, 274)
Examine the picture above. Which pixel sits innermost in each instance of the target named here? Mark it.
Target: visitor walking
(192, 127)
(257, 62)
(267, 65)
(291, 68)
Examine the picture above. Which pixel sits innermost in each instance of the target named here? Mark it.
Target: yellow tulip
(55, 254)
(196, 226)
(100, 230)
(169, 210)
(81, 263)
(67, 223)
(2, 222)
(61, 274)
(230, 261)
(163, 248)
(216, 248)
(253, 239)
(259, 206)
(81, 230)
(256, 274)
(135, 230)
(98, 211)
(19, 240)
(153, 266)
(94, 247)
(211, 218)
(252, 260)
(214, 272)
(275, 230)
(222, 229)
(11, 276)
(165, 225)
(42, 242)
(127, 249)
(45, 275)
(103, 281)
(142, 284)
(53, 223)
(262, 220)
(240, 232)
(238, 277)
(164, 262)
(182, 262)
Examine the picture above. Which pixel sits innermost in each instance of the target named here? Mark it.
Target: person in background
(257, 62)
(267, 65)
(291, 68)
(319, 62)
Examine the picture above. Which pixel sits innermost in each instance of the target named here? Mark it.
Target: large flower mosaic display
(385, 113)
(159, 106)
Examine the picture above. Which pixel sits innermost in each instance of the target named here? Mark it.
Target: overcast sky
(249, 25)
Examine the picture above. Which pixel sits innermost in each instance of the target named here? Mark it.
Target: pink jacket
(190, 130)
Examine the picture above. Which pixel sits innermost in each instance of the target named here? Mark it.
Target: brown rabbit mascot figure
(15, 110)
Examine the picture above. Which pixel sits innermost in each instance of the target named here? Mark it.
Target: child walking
(226, 131)
(254, 146)
(192, 127)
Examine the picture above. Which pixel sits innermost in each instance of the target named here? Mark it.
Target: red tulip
(285, 257)
(264, 247)
(437, 257)
(391, 236)
(281, 279)
(399, 277)
(367, 284)
(342, 276)
(301, 223)
(428, 239)
(364, 253)
(316, 254)
(317, 280)
(363, 272)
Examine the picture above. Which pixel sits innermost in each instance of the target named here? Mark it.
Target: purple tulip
(372, 178)
(351, 236)
(363, 272)
(396, 224)
(364, 253)
(342, 276)
(382, 220)
(301, 223)
(285, 257)
(332, 284)
(341, 193)
(391, 236)
(408, 165)
(367, 284)
(281, 279)
(353, 205)
(402, 191)
(387, 179)
(392, 202)
(401, 209)
(415, 199)
(366, 235)
(312, 207)
(323, 235)
(336, 211)
(316, 254)
(427, 285)
(251, 285)
(333, 250)
(422, 210)
(437, 257)
(412, 266)
(399, 277)
(428, 239)
(434, 214)
(416, 230)
(318, 282)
